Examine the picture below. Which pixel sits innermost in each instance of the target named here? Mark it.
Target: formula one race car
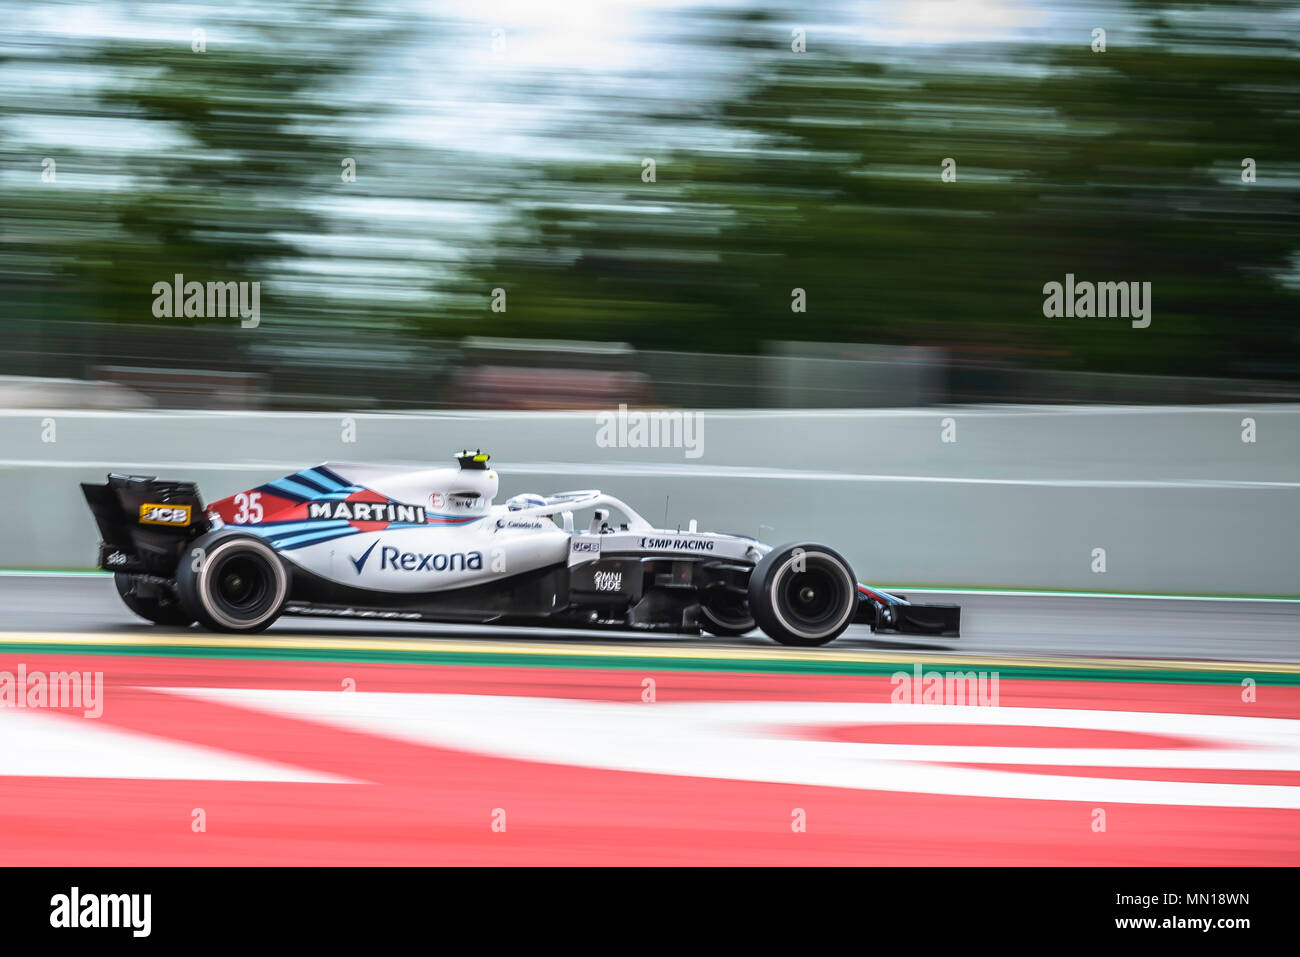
(418, 544)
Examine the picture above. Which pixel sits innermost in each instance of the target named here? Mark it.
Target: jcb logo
(164, 514)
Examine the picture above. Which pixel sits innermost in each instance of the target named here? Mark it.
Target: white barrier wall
(1002, 497)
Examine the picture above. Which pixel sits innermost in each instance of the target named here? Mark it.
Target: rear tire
(803, 594)
(240, 583)
(158, 611)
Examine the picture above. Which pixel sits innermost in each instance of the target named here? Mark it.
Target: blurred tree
(1122, 166)
(819, 171)
(238, 142)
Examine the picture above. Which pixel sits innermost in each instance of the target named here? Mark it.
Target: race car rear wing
(144, 524)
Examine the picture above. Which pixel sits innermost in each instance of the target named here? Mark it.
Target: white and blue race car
(401, 543)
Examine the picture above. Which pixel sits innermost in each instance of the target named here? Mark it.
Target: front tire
(726, 617)
(235, 583)
(803, 594)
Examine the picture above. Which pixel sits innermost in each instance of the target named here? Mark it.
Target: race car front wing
(886, 612)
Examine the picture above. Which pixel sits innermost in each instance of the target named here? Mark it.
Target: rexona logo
(164, 514)
(367, 511)
(679, 544)
(395, 558)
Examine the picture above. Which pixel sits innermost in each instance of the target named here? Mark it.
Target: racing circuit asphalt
(1021, 625)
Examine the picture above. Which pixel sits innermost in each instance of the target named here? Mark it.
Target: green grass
(487, 658)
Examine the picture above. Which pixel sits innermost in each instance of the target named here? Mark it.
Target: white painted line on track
(48, 744)
(1036, 593)
(761, 741)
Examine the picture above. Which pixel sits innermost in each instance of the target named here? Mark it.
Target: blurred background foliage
(521, 168)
